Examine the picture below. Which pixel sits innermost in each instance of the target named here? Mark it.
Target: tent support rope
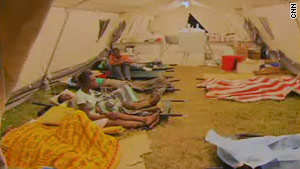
(56, 44)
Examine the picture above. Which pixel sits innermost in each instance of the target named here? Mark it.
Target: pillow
(55, 115)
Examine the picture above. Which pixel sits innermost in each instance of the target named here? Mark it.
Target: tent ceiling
(131, 5)
(105, 5)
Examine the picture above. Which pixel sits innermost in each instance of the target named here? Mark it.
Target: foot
(161, 90)
(154, 123)
(155, 98)
(149, 120)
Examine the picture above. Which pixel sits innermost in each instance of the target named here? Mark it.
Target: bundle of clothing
(253, 89)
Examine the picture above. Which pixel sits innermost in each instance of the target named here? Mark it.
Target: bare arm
(87, 108)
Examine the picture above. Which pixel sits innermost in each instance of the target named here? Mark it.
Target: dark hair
(84, 77)
(115, 50)
(60, 98)
(74, 79)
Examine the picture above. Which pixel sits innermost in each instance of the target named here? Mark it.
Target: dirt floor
(179, 144)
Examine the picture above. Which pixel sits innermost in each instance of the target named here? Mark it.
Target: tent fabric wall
(138, 6)
(77, 44)
(214, 21)
(118, 6)
(40, 53)
(137, 27)
(169, 23)
(18, 30)
(236, 25)
(286, 31)
(79, 41)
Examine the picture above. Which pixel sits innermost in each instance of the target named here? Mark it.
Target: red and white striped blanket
(253, 89)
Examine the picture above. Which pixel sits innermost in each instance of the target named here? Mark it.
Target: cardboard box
(249, 66)
(254, 53)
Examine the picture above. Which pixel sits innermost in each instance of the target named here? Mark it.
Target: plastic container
(228, 63)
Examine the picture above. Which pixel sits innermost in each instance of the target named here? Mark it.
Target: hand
(109, 105)
(98, 110)
(147, 69)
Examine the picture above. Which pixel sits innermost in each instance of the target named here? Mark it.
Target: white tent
(39, 38)
(68, 36)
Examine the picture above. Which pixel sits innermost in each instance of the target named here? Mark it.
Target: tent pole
(56, 45)
(2, 106)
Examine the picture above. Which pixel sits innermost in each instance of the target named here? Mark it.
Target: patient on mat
(141, 86)
(109, 119)
(109, 114)
(67, 99)
(64, 99)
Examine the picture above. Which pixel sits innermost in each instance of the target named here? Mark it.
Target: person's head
(87, 80)
(74, 79)
(64, 97)
(115, 52)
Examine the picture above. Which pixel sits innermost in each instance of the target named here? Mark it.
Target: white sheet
(260, 151)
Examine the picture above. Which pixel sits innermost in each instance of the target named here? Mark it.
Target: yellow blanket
(75, 144)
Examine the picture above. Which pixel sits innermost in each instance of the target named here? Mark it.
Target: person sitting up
(120, 65)
(88, 101)
(146, 103)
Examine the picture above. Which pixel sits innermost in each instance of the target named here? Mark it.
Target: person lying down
(109, 119)
(107, 111)
(141, 86)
